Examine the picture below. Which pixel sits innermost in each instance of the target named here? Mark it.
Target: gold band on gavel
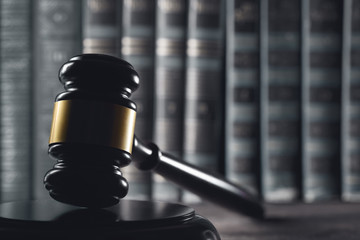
(91, 122)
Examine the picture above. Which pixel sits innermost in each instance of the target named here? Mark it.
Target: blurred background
(265, 92)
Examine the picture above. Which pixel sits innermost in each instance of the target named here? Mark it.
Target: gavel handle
(210, 186)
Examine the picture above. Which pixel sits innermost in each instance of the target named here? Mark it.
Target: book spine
(15, 99)
(57, 37)
(321, 86)
(351, 102)
(242, 94)
(137, 47)
(171, 19)
(204, 85)
(281, 99)
(101, 29)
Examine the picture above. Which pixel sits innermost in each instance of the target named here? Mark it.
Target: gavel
(92, 138)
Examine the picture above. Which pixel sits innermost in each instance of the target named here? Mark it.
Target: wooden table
(327, 220)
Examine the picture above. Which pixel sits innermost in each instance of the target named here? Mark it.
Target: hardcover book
(242, 156)
(101, 26)
(280, 101)
(15, 99)
(321, 84)
(351, 102)
(204, 85)
(171, 26)
(137, 47)
(57, 37)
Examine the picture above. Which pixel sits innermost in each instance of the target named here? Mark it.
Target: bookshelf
(268, 99)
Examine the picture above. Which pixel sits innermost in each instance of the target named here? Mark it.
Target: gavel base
(128, 220)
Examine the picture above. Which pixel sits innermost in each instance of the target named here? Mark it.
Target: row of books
(36, 38)
(263, 91)
(177, 49)
(292, 109)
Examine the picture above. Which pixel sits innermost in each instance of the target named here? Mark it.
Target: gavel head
(92, 131)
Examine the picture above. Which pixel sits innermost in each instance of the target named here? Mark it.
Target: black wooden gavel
(92, 137)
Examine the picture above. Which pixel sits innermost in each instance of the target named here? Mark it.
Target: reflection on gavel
(92, 137)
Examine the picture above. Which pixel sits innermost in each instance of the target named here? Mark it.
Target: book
(350, 127)
(15, 99)
(321, 84)
(137, 47)
(242, 138)
(204, 86)
(101, 26)
(280, 100)
(57, 37)
(171, 26)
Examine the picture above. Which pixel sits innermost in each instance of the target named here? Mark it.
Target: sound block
(130, 220)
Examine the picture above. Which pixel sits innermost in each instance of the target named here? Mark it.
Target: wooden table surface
(326, 220)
